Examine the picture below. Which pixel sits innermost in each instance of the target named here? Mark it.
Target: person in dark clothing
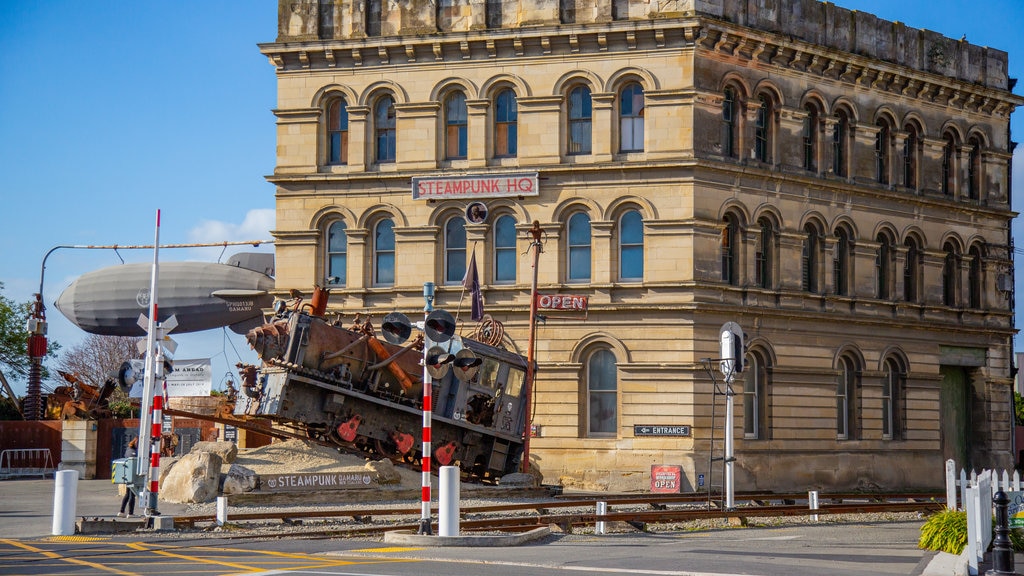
(129, 496)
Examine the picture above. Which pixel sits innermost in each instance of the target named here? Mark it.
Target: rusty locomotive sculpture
(347, 386)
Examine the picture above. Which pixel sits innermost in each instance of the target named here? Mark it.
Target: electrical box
(122, 471)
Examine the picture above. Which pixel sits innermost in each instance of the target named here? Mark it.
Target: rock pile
(214, 468)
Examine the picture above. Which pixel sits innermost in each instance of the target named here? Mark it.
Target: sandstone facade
(836, 184)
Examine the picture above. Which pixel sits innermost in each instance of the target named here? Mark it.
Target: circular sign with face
(476, 212)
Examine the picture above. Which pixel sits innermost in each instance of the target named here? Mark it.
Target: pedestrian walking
(129, 495)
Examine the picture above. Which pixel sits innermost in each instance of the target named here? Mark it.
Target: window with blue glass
(602, 394)
(455, 119)
(580, 117)
(505, 250)
(337, 254)
(454, 250)
(579, 247)
(631, 118)
(631, 246)
(337, 132)
(506, 127)
(384, 253)
(384, 126)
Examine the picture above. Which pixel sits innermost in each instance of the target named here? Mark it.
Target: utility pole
(537, 248)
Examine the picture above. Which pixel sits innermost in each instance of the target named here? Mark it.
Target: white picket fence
(976, 494)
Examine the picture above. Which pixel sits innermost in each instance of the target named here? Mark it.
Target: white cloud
(256, 226)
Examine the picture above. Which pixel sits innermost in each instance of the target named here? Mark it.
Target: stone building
(836, 184)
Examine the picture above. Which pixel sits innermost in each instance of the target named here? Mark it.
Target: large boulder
(195, 478)
(227, 451)
(239, 480)
(385, 472)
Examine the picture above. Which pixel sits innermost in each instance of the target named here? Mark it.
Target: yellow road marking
(55, 556)
(385, 550)
(73, 539)
(320, 562)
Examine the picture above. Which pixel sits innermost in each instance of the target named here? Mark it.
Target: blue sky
(112, 110)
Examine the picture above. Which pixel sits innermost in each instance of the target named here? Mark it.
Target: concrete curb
(946, 564)
(469, 540)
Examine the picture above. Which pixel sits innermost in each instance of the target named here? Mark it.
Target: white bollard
(65, 496)
(602, 509)
(222, 510)
(448, 502)
(812, 503)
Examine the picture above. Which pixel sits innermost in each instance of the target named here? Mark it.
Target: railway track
(569, 513)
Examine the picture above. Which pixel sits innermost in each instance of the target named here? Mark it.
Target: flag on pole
(472, 283)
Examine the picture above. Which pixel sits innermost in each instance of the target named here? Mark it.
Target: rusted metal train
(346, 385)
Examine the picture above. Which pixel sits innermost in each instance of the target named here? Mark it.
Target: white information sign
(189, 378)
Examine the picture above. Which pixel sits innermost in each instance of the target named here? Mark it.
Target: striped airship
(202, 295)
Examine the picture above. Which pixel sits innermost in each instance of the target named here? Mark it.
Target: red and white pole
(149, 382)
(154, 454)
(428, 297)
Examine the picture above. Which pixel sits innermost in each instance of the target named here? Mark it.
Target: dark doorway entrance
(955, 416)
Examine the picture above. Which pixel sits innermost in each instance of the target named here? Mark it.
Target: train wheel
(383, 450)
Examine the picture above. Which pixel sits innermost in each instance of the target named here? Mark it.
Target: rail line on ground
(574, 512)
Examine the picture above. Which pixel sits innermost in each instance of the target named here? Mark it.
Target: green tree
(1018, 408)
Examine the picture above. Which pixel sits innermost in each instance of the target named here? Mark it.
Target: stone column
(602, 132)
(479, 134)
(359, 153)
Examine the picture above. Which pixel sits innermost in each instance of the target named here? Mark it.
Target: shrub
(945, 531)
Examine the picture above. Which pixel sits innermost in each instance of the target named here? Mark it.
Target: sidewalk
(27, 505)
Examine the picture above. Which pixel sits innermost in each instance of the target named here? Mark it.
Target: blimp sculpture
(202, 295)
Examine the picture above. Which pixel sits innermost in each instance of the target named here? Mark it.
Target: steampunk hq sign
(469, 186)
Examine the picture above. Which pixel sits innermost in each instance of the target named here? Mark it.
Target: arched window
(841, 262)
(337, 254)
(505, 250)
(882, 139)
(337, 131)
(884, 263)
(454, 250)
(810, 136)
(384, 253)
(455, 120)
(580, 115)
(730, 123)
(893, 395)
(384, 127)
(847, 385)
(950, 275)
(631, 118)
(764, 256)
(579, 247)
(974, 278)
(755, 397)
(910, 155)
(373, 17)
(602, 394)
(506, 127)
(840, 134)
(810, 258)
(763, 129)
(911, 271)
(631, 246)
(974, 169)
(948, 168)
(730, 250)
